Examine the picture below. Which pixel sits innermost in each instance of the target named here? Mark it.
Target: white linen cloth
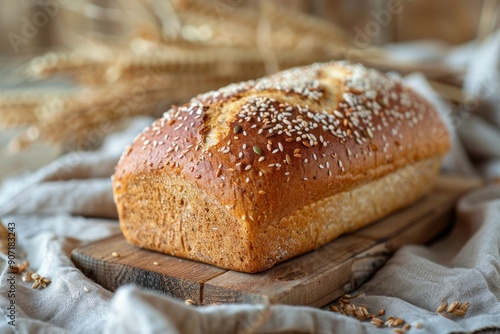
(69, 203)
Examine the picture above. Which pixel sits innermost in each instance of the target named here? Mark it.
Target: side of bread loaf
(261, 171)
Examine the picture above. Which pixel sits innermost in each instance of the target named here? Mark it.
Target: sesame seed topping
(370, 104)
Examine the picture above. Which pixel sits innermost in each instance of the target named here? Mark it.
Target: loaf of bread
(261, 171)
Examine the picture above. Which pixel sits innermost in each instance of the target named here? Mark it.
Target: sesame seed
(338, 114)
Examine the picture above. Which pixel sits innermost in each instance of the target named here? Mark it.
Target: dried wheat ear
(176, 64)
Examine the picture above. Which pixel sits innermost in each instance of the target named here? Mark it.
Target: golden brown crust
(207, 232)
(264, 149)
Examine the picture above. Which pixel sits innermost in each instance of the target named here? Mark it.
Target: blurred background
(74, 71)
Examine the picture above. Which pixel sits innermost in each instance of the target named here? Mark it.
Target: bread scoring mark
(217, 123)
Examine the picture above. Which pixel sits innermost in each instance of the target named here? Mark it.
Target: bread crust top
(267, 147)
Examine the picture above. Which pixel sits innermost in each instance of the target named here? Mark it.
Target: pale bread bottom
(178, 218)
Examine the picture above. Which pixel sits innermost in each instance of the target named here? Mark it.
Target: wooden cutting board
(315, 279)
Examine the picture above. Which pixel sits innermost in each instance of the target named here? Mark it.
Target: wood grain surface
(315, 279)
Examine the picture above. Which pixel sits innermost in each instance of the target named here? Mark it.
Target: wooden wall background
(453, 21)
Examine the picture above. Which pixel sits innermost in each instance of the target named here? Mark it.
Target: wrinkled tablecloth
(69, 203)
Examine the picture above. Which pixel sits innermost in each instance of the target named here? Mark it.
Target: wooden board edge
(112, 275)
